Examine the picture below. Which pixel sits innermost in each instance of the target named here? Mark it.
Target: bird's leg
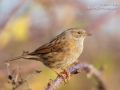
(67, 73)
(60, 74)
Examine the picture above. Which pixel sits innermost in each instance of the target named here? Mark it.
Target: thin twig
(17, 80)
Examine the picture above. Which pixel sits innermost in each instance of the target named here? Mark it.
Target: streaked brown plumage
(61, 51)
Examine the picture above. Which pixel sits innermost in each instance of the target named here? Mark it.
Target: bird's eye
(78, 32)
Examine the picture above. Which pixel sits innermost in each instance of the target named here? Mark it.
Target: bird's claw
(65, 75)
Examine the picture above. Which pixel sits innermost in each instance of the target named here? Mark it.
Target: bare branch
(89, 69)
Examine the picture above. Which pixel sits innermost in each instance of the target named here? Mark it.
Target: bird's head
(77, 33)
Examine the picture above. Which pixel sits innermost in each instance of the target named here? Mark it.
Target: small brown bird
(60, 52)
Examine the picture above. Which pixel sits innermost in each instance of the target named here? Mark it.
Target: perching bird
(61, 51)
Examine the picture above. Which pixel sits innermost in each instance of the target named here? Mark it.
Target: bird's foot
(67, 74)
(63, 77)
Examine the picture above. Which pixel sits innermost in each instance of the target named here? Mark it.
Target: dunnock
(61, 51)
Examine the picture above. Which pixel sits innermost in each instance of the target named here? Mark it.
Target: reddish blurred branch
(101, 20)
(89, 69)
(11, 13)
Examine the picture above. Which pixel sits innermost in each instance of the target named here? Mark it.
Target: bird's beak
(87, 34)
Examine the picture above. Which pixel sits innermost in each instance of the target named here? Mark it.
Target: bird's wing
(53, 46)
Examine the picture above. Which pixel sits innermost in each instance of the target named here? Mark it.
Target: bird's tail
(16, 58)
(30, 57)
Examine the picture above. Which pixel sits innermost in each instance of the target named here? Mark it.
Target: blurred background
(27, 24)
